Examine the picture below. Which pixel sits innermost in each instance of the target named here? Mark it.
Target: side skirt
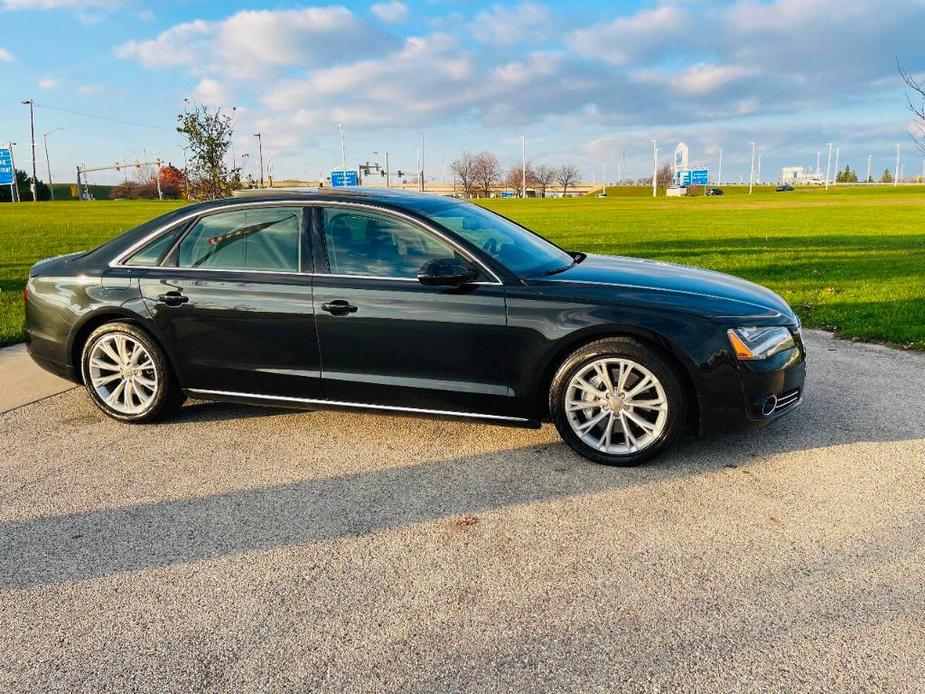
(313, 404)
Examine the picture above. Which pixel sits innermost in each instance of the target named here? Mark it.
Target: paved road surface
(242, 549)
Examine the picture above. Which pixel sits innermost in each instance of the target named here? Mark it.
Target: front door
(234, 307)
(388, 340)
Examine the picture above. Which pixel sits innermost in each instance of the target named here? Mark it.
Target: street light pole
(869, 158)
(828, 166)
(523, 165)
(654, 167)
(751, 173)
(259, 137)
(896, 177)
(835, 181)
(31, 104)
(48, 162)
(14, 186)
(422, 162)
(719, 176)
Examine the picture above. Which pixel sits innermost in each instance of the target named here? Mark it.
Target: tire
(642, 424)
(120, 353)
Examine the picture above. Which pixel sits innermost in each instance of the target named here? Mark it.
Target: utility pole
(31, 104)
(759, 168)
(751, 174)
(422, 162)
(818, 160)
(259, 137)
(604, 182)
(719, 177)
(654, 167)
(896, 177)
(523, 165)
(869, 158)
(157, 178)
(343, 151)
(828, 166)
(835, 181)
(48, 161)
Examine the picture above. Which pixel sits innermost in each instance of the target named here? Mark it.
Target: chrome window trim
(118, 261)
(358, 405)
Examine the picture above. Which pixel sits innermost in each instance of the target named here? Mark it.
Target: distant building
(799, 176)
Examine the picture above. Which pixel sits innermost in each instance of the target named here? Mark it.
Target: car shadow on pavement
(362, 494)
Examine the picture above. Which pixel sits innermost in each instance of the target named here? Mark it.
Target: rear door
(386, 339)
(233, 306)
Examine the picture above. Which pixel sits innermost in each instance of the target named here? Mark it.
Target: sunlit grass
(850, 259)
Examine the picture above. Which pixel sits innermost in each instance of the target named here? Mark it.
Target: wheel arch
(91, 322)
(651, 339)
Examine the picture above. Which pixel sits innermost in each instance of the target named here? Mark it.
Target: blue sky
(583, 82)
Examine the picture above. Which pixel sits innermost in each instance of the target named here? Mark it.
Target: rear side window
(154, 252)
(256, 239)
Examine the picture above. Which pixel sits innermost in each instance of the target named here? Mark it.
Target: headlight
(759, 343)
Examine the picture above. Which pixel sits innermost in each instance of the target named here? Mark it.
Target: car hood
(726, 294)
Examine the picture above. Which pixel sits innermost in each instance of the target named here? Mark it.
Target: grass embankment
(848, 259)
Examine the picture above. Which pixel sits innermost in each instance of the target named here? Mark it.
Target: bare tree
(209, 135)
(465, 169)
(515, 178)
(487, 172)
(664, 176)
(567, 175)
(916, 102)
(543, 177)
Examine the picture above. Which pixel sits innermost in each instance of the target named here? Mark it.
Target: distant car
(411, 303)
(715, 191)
(784, 188)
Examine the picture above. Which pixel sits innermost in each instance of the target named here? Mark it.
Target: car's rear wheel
(617, 402)
(127, 374)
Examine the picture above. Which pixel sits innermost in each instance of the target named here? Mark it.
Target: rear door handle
(172, 298)
(339, 308)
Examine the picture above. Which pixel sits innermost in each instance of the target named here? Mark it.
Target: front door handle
(172, 298)
(339, 308)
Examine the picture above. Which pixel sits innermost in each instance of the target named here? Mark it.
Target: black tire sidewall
(625, 348)
(168, 395)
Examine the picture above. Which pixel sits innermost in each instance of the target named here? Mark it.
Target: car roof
(355, 193)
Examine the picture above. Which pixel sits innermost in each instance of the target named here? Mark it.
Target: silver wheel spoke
(109, 351)
(604, 375)
(648, 404)
(588, 388)
(647, 427)
(643, 385)
(627, 434)
(103, 380)
(621, 380)
(148, 383)
(104, 365)
(116, 393)
(591, 423)
(604, 443)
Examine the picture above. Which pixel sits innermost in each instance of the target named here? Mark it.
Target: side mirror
(446, 272)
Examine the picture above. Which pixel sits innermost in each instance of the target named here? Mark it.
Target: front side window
(521, 251)
(253, 239)
(154, 252)
(377, 245)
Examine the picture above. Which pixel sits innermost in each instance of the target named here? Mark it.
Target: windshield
(521, 251)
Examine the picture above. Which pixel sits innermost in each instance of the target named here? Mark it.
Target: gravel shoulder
(238, 548)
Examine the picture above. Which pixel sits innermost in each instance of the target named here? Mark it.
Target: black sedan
(408, 303)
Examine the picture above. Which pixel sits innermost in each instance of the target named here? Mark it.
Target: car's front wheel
(127, 374)
(617, 402)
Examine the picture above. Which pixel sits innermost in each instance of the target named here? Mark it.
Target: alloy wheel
(123, 374)
(616, 406)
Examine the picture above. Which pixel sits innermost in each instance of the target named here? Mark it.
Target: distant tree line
(480, 175)
(23, 186)
(172, 186)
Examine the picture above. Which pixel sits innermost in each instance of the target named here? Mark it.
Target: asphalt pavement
(266, 550)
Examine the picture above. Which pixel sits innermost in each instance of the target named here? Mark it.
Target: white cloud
(46, 83)
(253, 43)
(91, 89)
(697, 80)
(212, 93)
(6, 56)
(641, 36)
(391, 12)
(528, 22)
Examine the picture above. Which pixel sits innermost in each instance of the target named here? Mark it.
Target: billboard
(343, 179)
(7, 176)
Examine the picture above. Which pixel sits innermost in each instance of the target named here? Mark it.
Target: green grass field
(849, 259)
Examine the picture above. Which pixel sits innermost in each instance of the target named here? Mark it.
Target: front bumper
(755, 393)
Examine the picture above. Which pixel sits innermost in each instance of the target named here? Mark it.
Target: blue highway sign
(6, 167)
(342, 179)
